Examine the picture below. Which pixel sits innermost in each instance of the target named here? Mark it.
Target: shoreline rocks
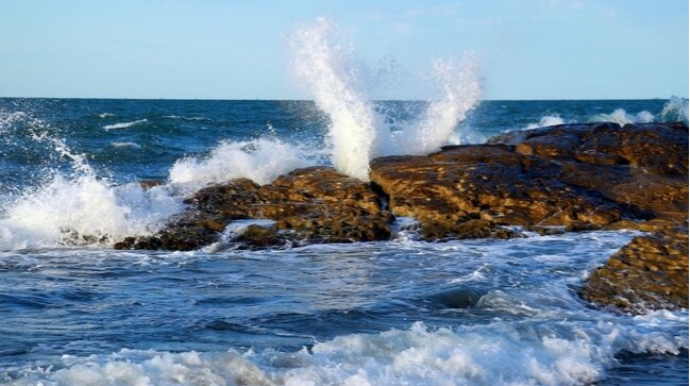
(651, 272)
(310, 205)
(562, 178)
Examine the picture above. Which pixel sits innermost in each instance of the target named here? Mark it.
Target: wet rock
(456, 297)
(314, 205)
(579, 177)
(649, 273)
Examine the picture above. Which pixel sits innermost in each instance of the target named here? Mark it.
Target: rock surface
(312, 205)
(649, 273)
(574, 176)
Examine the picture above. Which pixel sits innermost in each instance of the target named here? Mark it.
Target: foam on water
(536, 352)
(133, 145)
(82, 208)
(125, 125)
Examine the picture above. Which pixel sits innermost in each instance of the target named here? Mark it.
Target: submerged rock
(456, 297)
(649, 273)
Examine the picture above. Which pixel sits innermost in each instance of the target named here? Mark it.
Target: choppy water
(355, 314)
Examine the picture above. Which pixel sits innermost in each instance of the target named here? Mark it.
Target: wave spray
(358, 132)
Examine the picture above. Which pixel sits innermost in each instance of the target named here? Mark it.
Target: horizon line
(312, 100)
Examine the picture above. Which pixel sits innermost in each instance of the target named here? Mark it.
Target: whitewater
(76, 312)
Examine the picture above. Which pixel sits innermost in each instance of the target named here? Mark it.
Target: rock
(578, 177)
(315, 205)
(148, 184)
(456, 297)
(649, 273)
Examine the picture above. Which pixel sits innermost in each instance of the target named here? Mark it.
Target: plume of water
(357, 132)
(461, 93)
(326, 67)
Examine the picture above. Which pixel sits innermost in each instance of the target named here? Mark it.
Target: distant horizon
(312, 100)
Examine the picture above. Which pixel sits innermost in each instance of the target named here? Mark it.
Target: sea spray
(547, 120)
(355, 131)
(261, 161)
(77, 207)
(675, 110)
(461, 93)
(358, 132)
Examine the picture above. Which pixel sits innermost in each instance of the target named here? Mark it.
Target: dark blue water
(357, 314)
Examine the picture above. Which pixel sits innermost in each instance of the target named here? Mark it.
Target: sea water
(76, 312)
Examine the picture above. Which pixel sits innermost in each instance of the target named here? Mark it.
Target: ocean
(74, 311)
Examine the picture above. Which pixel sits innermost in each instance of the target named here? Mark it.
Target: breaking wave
(554, 352)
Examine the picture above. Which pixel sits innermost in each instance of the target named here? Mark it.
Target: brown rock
(580, 177)
(313, 205)
(649, 273)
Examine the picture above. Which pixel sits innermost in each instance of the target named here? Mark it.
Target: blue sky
(224, 49)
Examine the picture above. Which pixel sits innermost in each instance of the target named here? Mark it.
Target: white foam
(83, 205)
(261, 161)
(125, 125)
(125, 144)
(233, 231)
(536, 352)
(545, 121)
(9, 119)
(622, 117)
(79, 207)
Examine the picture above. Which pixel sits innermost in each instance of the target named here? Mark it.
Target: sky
(231, 49)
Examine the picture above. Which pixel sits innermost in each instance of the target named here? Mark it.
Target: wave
(621, 117)
(357, 131)
(547, 120)
(530, 352)
(78, 207)
(125, 144)
(187, 118)
(675, 110)
(125, 125)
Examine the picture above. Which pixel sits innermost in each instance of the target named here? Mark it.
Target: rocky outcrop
(311, 205)
(574, 176)
(561, 178)
(556, 179)
(649, 273)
